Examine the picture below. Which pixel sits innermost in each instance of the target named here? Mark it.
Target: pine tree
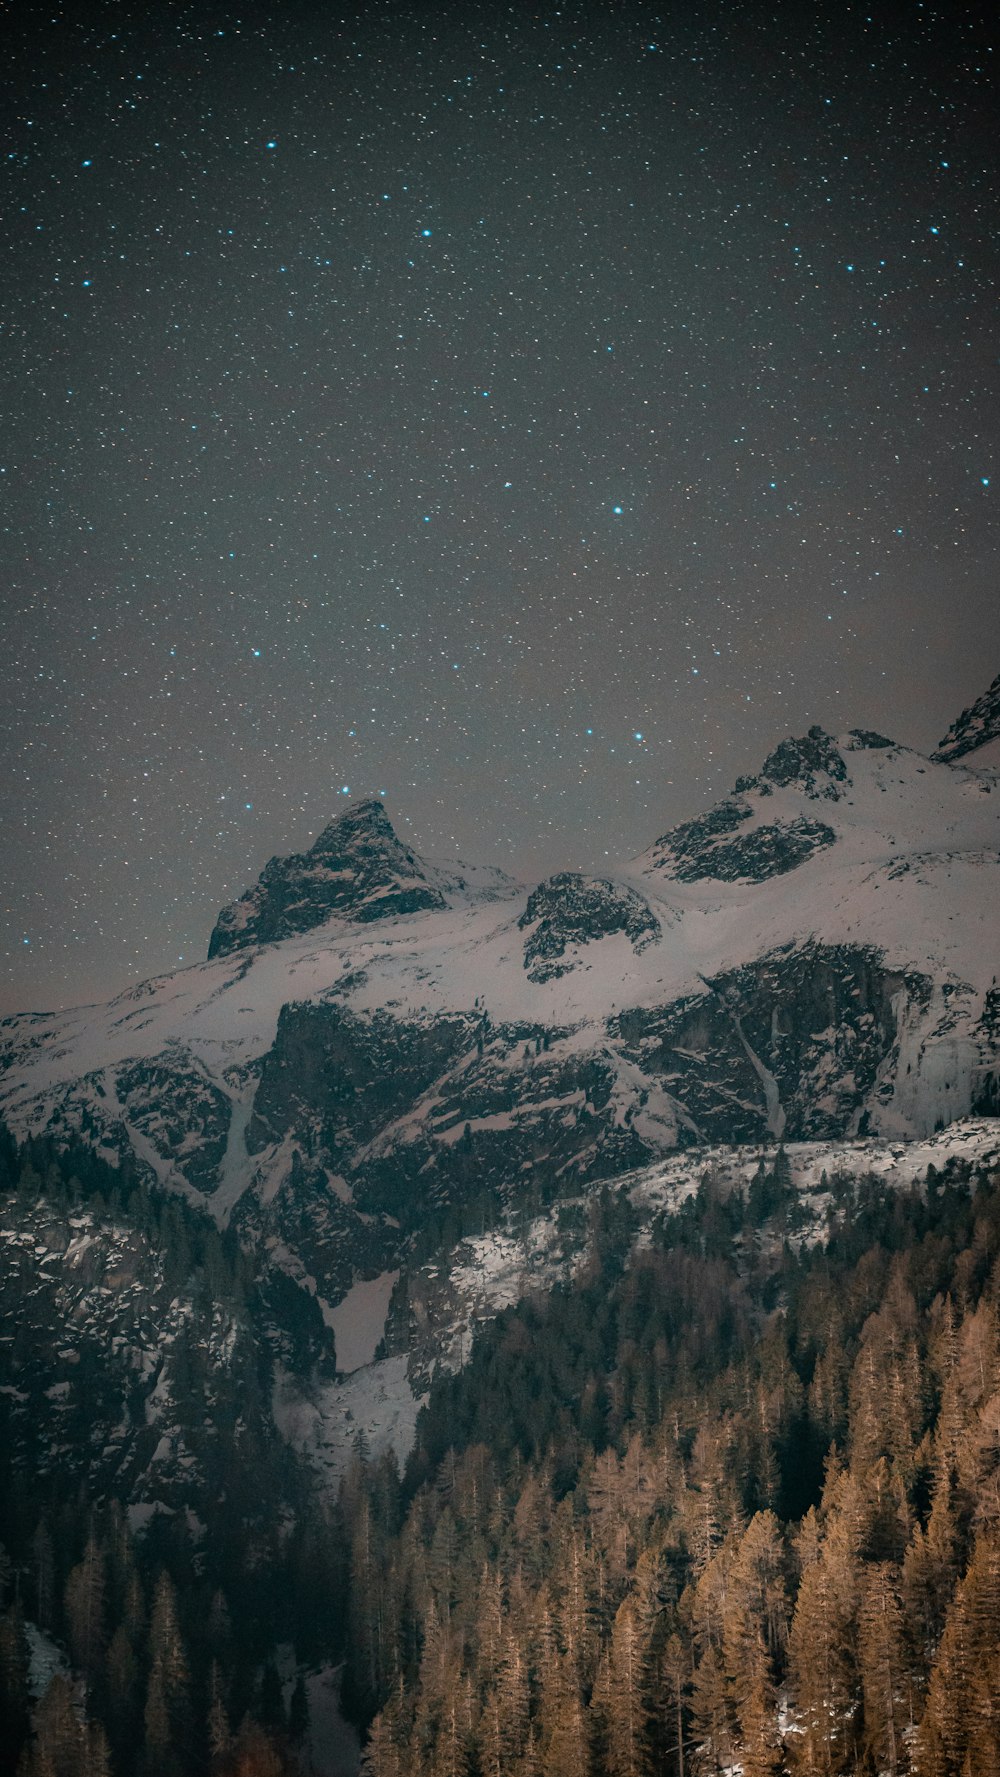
(167, 1713)
(59, 1738)
(14, 1694)
(943, 1735)
(821, 1669)
(676, 1672)
(85, 1610)
(882, 1667)
(710, 1724)
(217, 1723)
(382, 1756)
(96, 1753)
(563, 1726)
(43, 1564)
(298, 1712)
(760, 1754)
(755, 1612)
(621, 1700)
(122, 1682)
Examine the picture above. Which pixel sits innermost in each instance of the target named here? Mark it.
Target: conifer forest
(727, 1501)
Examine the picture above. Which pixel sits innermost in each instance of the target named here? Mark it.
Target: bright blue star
(617, 510)
(427, 232)
(270, 144)
(985, 480)
(345, 789)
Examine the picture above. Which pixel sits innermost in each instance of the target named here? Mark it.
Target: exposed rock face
(357, 869)
(347, 1075)
(868, 740)
(794, 1045)
(413, 1115)
(102, 1332)
(181, 1113)
(812, 764)
(976, 726)
(570, 910)
(730, 846)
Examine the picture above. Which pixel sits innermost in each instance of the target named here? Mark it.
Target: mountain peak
(811, 762)
(357, 869)
(973, 729)
(358, 818)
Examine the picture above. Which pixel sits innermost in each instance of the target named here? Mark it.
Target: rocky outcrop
(799, 1044)
(569, 910)
(812, 764)
(180, 1113)
(730, 845)
(415, 1115)
(974, 728)
(358, 869)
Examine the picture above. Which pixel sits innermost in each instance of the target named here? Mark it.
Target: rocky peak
(737, 840)
(975, 726)
(363, 824)
(357, 869)
(811, 763)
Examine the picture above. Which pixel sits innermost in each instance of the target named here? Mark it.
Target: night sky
(530, 415)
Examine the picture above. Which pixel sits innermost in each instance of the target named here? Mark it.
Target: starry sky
(528, 414)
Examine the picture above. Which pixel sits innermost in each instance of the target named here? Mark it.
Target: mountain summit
(357, 869)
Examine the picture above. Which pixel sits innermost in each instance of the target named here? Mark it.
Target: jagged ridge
(976, 726)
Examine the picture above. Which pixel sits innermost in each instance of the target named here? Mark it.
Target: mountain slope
(376, 1044)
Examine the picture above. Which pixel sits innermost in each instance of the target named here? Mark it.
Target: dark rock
(868, 739)
(806, 763)
(346, 1074)
(183, 1116)
(792, 1044)
(569, 909)
(712, 847)
(357, 869)
(973, 728)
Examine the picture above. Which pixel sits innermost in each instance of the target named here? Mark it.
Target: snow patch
(358, 1321)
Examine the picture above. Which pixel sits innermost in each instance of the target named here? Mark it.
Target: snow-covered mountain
(376, 1042)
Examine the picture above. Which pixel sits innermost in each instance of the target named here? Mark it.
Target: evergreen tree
(168, 1737)
(14, 1695)
(882, 1667)
(85, 1610)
